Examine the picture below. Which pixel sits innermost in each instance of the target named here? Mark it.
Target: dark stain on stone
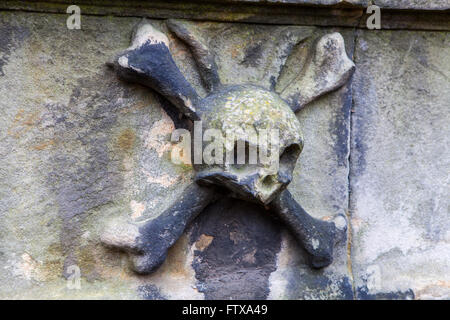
(362, 293)
(307, 284)
(361, 113)
(242, 254)
(180, 121)
(84, 179)
(361, 126)
(273, 83)
(11, 38)
(340, 126)
(150, 292)
(253, 55)
(363, 121)
(293, 101)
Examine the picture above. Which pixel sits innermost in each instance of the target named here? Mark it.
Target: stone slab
(400, 165)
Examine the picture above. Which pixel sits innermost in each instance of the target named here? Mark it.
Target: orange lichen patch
(29, 268)
(234, 53)
(111, 265)
(126, 140)
(44, 145)
(177, 49)
(22, 123)
(176, 277)
(33, 269)
(137, 209)
(158, 138)
(88, 262)
(51, 266)
(137, 106)
(436, 290)
(203, 242)
(357, 222)
(164, 179)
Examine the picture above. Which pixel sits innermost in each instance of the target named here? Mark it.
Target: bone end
(119, 235)
(328, 69)
(145, 32)
(330, 54)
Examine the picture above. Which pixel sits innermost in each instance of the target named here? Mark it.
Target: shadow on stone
(236, 246)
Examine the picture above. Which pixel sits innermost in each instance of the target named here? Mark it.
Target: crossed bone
(148, 62)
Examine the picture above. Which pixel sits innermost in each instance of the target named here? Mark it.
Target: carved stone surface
(80, 148)
(232, 109)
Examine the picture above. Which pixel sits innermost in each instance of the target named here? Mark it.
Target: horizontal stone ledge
(384, 4)
(351, 13)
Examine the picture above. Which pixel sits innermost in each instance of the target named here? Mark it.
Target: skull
(250, 115)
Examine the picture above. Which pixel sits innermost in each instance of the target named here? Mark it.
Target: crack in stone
(349, 161)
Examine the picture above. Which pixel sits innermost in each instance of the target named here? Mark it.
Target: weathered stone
(415, 15)
(80, 149)
(306, 2)
(327, 68)
(241, 251)
(400, 164)
(70, 137)
(237, 111)
(200, 49)
(384, 4)
(413, 4)
(321, 186)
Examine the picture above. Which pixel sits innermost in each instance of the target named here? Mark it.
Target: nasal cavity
(269, 181)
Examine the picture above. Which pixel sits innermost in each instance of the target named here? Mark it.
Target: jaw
(251, 188)
(266, 197)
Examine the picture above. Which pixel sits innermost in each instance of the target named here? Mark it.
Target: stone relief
(229, 108)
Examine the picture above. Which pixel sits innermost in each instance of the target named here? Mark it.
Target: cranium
(249, 114)
(228, 109)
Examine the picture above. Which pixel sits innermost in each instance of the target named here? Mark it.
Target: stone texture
(320, 185)
(408, 15)
(70, 137)
(384, 4)
(413, 4)
(236, 245)
(328, 68)
(80, 149)
(306, 2)
(400, 165)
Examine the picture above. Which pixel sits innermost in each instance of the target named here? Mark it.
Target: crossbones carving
(148, 61)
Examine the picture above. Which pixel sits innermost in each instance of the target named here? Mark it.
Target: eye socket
(290, 155)
(244, 149)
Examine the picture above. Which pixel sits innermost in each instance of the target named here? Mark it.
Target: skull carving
(244, 111)
(250, 114)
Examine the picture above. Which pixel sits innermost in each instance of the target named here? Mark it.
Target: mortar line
(357, 27)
